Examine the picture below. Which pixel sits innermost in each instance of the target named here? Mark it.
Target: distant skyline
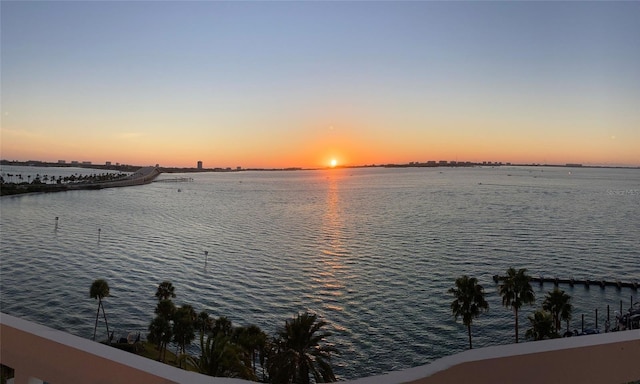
(299, 84)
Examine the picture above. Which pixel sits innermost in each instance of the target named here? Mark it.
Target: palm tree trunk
(253, 361)
(164, 351)
(303, 370)
(469, 329)
(105, 322)
(95, 328)
(516, 311)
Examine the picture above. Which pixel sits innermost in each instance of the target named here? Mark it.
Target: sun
(333, 163)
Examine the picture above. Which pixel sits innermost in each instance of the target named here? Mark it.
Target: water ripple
(371, 251)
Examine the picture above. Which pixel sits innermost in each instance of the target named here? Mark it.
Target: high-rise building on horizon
(199, 164)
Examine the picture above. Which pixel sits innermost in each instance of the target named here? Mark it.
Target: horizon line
(413, 164)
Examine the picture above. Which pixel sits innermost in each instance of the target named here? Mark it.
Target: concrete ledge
(602, 358)
(36, 351)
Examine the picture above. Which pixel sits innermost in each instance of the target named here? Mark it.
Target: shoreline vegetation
(15, 184)
(299, 351)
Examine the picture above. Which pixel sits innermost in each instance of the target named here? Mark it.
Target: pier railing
(602, 283)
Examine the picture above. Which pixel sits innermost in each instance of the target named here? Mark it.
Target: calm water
(372, 251)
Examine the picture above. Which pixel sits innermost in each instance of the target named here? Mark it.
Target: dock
(175, 180)
(585, 282)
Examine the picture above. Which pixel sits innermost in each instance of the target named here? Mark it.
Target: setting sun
(334, 162)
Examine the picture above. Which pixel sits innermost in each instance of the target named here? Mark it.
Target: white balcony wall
(38, 354)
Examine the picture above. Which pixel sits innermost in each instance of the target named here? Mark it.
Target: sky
(274, 84)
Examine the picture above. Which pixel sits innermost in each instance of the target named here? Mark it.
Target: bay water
(372, 251)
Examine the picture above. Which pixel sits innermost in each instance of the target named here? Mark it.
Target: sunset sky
(297, 84)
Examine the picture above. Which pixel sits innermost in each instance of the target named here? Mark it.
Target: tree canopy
(558, 303)
(99, 290)
(299, 351)
(469, 301)
(516, 291)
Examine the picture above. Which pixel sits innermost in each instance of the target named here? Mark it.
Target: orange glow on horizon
(354, 143)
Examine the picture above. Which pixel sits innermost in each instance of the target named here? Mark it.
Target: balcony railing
(40, 354)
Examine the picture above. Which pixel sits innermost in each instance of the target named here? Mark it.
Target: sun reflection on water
(333, 271)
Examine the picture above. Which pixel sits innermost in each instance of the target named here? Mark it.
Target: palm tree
(541, 326)
(516, 291)
(184, 327)
(161, 329)
(557, 302)
(222, 325)
(253, 340)
(165, 309)
(469, 301)
(221, 354)
(220, 357)
(204, 322)
(99, 290)
(299, 350)
(165, 291)
(160, 333)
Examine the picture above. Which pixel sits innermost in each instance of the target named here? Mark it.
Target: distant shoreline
(430, 164)
(144, 175)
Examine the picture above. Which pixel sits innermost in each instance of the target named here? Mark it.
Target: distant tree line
(18, 178)
(16, 183)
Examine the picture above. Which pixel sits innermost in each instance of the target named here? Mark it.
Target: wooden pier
(175, 180)
(586, 282)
